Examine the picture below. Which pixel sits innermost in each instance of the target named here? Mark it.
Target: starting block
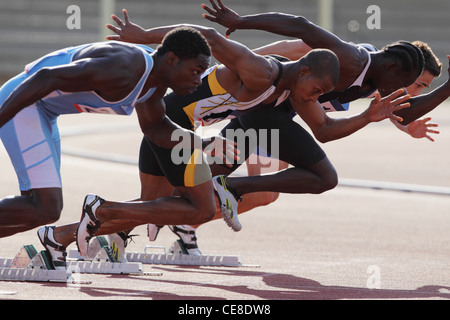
(30, 265)
(178, 255)
(103, 258)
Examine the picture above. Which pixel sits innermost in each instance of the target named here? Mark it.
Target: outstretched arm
(274, 22)
(350, 56)
(291, 49)
(254, 70)
(421, 105)
(327, 129)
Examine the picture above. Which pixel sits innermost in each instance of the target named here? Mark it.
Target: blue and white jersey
(59, 102)
(340, 100)
(32, 137)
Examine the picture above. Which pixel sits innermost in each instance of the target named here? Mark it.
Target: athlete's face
(186, 74)
(421, 83)
(394, 78)
(308, 87)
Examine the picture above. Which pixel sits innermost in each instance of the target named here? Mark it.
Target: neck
(158, 74)
(291, 71)
(375, 65)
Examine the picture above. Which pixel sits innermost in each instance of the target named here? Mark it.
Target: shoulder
(353, 59)
(111, 53)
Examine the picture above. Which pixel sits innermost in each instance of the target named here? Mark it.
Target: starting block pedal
(178, 255)
(30, 265)
(103, 258)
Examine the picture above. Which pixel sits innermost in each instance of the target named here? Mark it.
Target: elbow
(322, 137)
(44, 77)
(211, 35)
(300, 22)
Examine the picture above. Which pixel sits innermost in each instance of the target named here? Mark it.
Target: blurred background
(32, 28)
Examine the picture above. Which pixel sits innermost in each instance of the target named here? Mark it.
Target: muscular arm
(159, 129)
(279, 23)
(291, 49)
(327, 129)
(255, 71)
(78, 76)
(350, 56)
(421, 105)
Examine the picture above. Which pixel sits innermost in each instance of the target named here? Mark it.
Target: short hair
(323, 63)
(185, 43)
(408, 55)
(432, 63)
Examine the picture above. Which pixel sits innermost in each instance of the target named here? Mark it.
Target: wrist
(366, 117)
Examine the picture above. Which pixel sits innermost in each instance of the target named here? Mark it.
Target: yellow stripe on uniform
(197, 170)
(189, 110)
(214, 85)
(189, 172)
(216, 89)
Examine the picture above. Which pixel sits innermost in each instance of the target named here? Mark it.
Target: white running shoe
(228, 203)
(188, 239)
(56, 251)
(89, 224)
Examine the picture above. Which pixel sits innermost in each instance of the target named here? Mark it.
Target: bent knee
(47, 215)
(48, 207)
(329, 182)
(207, 213)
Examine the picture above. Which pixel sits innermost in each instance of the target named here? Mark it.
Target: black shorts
(158, 161)
(293, 144)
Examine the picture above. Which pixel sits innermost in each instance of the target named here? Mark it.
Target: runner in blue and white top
(106, 77)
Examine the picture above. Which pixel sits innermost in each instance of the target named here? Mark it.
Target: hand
(421, 129)
(222, 15)
(224, 150)
(128, 31)
(383, 108)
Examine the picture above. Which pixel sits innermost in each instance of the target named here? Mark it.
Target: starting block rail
(178, 256)
(102, 260)
(104, 267)
(29, 265)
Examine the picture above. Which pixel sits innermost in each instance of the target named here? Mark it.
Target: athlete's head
(432, 69)
(188, 55)
(401, 64)
(319, 74)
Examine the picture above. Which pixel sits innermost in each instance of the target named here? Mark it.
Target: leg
(314, 179)
(152, 187)
(195, 203)
(257, 165)
(193, 206)
(312, 172)
(33, 144)
(30, 210)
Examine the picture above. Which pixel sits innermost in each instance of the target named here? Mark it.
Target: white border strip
(384, 185)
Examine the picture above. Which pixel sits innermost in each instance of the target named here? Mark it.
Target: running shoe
(89, 223)
(153, 231)
(188, 239)
(117, 243)
(228, 203)
(56, 251)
